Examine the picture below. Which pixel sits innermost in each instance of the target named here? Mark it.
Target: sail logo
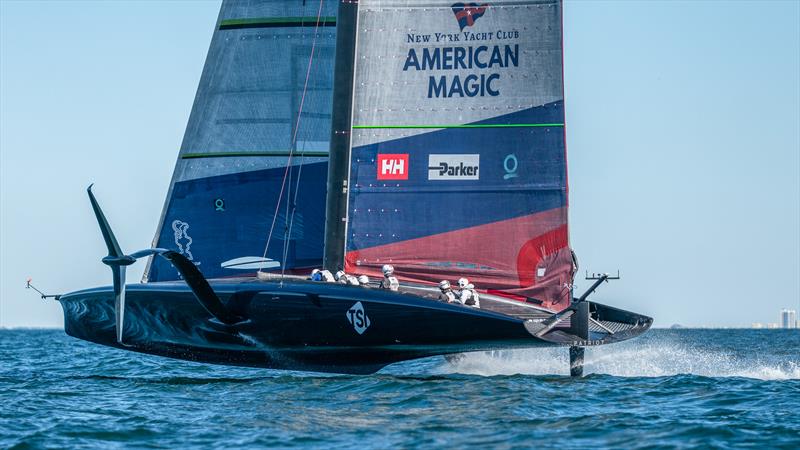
(467, 14)
(182, 239)
(393, 166)
(358, 318)
(454, 167)
(510, 165)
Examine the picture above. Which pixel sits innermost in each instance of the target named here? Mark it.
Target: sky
(683, 141)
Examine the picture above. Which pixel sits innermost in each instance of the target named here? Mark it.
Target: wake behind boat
(425, 135)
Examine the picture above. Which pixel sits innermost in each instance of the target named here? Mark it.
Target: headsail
(458, 163)
(233, 158)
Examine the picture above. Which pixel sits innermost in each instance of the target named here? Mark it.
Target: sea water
(669, 388)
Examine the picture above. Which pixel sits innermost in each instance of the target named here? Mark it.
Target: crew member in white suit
(467, 295)
(327, 276)
(389, 281)
(447, 295)
(346, 278)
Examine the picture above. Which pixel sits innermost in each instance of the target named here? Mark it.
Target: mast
(339, 156)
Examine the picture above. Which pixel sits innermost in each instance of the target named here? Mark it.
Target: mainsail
(458, 163)
(267, 59)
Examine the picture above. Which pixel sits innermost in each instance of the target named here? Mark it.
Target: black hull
(292, 325)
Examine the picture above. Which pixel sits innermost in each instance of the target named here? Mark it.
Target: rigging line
(294, 209)
(294, 136)
(291, 206)
(291, 218)
(290, 212)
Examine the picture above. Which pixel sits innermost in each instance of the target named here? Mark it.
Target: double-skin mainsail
(457, 163)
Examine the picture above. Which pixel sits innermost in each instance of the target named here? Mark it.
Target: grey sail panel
(267, 58)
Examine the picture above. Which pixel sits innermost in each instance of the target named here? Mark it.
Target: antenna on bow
(600, 278)
(28, 285)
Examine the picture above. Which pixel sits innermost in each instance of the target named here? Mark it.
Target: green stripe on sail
(264, 22)
(498, 125)
(252, 154)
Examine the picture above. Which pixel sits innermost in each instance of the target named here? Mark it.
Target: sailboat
(428, 135)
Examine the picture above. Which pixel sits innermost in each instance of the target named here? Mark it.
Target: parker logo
(358, 318)
(467, 13)
(454, 167)
(393, 166)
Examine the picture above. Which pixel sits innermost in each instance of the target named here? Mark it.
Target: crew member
(346, 278)
(447, 295)
(389, 281)
(363, 280)
(327, 276)
(467, 295)
(351, 279)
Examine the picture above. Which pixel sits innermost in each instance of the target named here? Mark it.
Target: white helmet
(388, 269)
(339, 274)
(363, 279)
(463, 283)
(314, 272)
(444, 285)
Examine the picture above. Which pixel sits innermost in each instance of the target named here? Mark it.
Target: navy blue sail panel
(458, 164)
(265, 93)
(221, 223)
(521, 171)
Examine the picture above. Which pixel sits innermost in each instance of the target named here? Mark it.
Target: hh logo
(467, 14)
(393, 166)
(358, 318)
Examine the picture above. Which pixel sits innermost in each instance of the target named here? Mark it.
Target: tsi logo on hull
(454, 167)
(393, 166)
(358, 318)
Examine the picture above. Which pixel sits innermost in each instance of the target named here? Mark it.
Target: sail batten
(498, 125)
(254, 154)
(277, 22)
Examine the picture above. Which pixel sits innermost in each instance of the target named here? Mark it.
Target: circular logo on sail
(510, 165)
